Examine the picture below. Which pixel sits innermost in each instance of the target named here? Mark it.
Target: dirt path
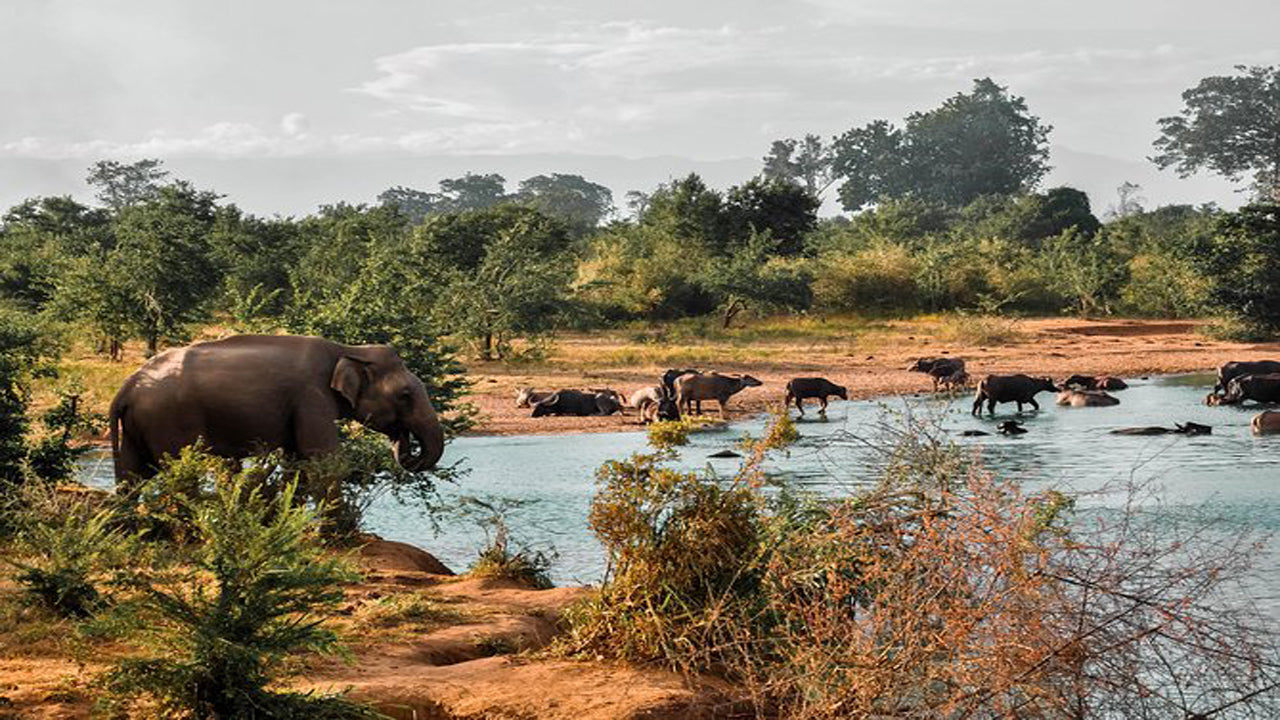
(869, 365)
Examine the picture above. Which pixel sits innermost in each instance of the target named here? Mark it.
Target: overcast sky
(285, 104)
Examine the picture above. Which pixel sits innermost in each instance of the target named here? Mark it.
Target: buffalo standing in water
(1020, 389)
(801, 389)
(1235, 369)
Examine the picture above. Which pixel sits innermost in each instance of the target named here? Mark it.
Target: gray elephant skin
(250, 393)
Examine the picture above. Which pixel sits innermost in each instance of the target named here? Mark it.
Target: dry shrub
(980, 330)
(942, 592)
(882, 277)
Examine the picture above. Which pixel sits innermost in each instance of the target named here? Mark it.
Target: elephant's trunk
(430, 439)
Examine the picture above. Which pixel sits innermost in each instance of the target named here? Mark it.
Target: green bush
(879, 279)
(256, 586)
(68, 548)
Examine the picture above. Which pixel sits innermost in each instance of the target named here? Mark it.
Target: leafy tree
(1129, 201)
(415, 205)
(748, 277)
(982, 143)
(1242, 264)
(255, 256)
(460, 240)
(637, 203)
(571, 198)
(37, 237)
(517, 289)
(689, 209)
(644, 271)
(473, 192)
(786, 211)
(1229, 125)
(164, 257)
(120, 185)
(1030, 218)
(807, 162)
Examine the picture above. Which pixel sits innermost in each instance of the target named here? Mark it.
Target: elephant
(801, 389)
(1087, 398)
(249, 393)
(711, 386)
(1020, 389)
(577, 402)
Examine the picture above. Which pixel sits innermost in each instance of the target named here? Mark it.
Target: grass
(412, 612)
(980, 330)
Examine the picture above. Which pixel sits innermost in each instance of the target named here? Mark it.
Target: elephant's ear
(350, 376)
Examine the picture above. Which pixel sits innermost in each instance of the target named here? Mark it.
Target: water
(1068, 448)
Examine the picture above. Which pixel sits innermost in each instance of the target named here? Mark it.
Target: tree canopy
(1230, 125)
(984, 142)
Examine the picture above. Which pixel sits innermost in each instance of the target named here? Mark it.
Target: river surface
(553, 476)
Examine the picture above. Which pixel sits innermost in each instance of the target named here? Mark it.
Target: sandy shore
(875, 366)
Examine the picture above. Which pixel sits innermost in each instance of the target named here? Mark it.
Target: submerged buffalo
(1258, 388)
(577, 402)
(1266, 422)
(1235, 369)
(1094, 382)
(1189, 428)
(1086, 398)
(1020, 389)
(801, 389)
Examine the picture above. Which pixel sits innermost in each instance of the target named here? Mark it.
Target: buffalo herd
(682, 390)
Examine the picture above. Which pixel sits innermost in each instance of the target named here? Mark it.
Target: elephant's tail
(114, 418)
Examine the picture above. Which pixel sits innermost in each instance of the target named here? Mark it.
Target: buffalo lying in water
(1177, 429)
(1086, 398)
(1235, 369)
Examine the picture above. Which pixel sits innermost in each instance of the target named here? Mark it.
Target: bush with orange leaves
(943, 592)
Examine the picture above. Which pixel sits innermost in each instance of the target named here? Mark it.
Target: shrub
(979, 329)
(68, 549)
(256, 587)
(880, 278)
(1242, 265)
(1162, 285)
(939, 592)
(502, 556)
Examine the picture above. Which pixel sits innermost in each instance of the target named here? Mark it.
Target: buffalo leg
(723, 415)
(991, 407)
(1034, 405)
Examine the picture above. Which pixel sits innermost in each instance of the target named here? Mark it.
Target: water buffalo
(1177, 429)
(528, 397)
(664, 409)
(951, 381)
(645, 396)
(801, 389)
(576, 402)
(1266, 422)
(1094, 382)
(1236, 368)
(1086, 398)
(945, 365)
(669, 381)
(1020, 389)
(1011, 427)
(1259, 388)
(711, 386)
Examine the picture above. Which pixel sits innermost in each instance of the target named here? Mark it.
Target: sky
(288, 104)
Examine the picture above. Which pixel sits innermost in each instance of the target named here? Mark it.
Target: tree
(571, 198)
(786, 211)
(1128, 201)
(120, 185)
(985, 142)
(473, 192)
(807, 162)
(690, 210)
(748, 277)
(1242, 264)
(1229, 125)
(1030, 218)
(415, 205)
(164, 259)
(38, 237)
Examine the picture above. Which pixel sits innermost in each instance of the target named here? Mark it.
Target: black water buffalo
(577, 402)
(801, 389)
(1094, 382)
(943, 365)
(1020, 389)
(1258, 388)
(1236, 368)
(1177, 429)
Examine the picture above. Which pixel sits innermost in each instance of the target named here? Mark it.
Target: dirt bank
(870, 364)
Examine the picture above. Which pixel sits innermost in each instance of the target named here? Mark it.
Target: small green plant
(68, 550)
(668, 434)
(255, 588)
(501, 556)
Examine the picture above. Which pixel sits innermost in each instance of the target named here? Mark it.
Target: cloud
(295, 124)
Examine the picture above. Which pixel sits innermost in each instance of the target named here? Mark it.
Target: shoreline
(869, 367)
